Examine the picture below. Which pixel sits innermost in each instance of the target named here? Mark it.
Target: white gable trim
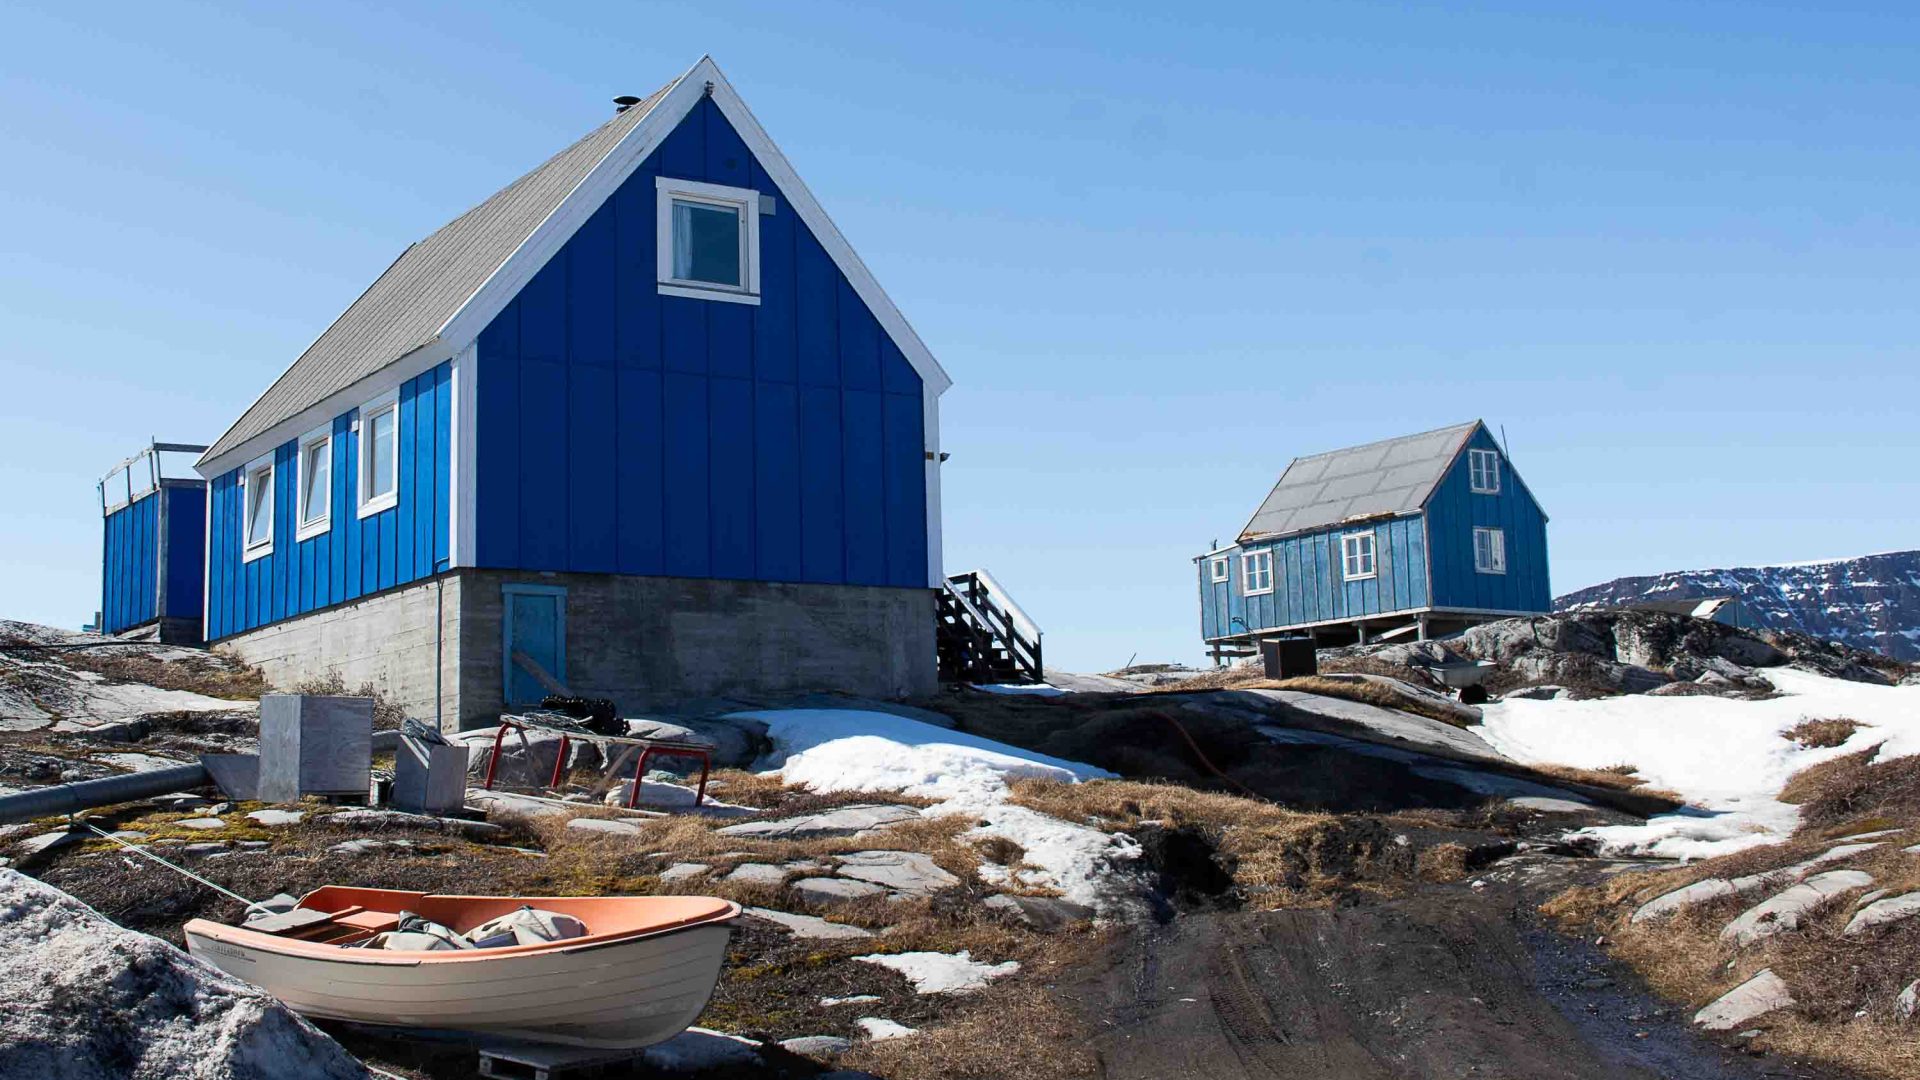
(620, 163)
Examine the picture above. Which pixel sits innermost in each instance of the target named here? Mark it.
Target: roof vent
(625, 102)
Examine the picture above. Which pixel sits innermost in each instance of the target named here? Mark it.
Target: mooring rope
(181, 870)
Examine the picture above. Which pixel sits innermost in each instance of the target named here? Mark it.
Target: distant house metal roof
(1393, 476)
(1700, 607)
(407, 305)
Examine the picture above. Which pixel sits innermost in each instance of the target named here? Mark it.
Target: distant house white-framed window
(379, 454)
(1217, 568)
(709, 241)
(313, 481)
(1490, 551)
(1357, 556)
(1483, 471)
(1256, 572)
(256, 509)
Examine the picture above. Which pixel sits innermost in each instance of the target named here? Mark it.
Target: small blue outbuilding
(153, 545)
(1407, 537)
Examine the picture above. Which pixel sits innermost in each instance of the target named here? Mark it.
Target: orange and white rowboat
(641, 974)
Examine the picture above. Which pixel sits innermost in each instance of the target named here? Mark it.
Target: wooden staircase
(983, 636)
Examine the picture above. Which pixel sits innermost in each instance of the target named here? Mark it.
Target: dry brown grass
(1613, 777)
(219, 677)
(1822, 734)
(1016, 1031)
(1856, 786)
(1278, 857)
(387, 713)
(1845, 986)
(1443, 863)
(1361, 690)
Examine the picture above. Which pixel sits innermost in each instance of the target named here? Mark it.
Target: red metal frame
(648, 749)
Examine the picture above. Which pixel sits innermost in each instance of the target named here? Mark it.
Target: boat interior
(350, 917)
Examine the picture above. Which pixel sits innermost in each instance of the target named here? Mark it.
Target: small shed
(1730, 610)
(153, 551)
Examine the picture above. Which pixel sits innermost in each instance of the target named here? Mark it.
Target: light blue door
(535, 629)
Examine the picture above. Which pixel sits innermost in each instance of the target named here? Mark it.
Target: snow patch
(1021, 689)
(852, 750)
(878, 1028)
(1727, 757)
(943, 973)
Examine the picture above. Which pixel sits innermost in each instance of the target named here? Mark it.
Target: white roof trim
(620, 163)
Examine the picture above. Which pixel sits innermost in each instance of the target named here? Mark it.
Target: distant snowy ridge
(1869, 602)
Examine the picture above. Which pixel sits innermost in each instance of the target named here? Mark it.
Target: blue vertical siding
(131, 571)
(620, 430)
(355, 556)
(1455, 510)
(130, 559)
(1309, 584)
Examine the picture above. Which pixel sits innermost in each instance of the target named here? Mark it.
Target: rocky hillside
(1872, 602)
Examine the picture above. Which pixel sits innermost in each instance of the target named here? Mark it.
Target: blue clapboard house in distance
(1400, 539)
(641, 425)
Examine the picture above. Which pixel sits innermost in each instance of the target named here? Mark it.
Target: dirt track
(1447, 984)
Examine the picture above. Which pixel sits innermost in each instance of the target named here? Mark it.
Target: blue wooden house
(641, 425)
(153, 546)
(1409, 537)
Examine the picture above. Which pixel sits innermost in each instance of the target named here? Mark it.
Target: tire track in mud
(1437, 986)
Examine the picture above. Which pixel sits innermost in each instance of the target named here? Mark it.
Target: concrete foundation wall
(645, 642)
(648, 642)
(387, 640)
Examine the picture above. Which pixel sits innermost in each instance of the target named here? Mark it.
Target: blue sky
(1670, 247)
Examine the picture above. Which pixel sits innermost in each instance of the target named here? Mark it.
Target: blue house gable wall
(622, 431)
(356, 556)
(1309, 584)
(1454, 510)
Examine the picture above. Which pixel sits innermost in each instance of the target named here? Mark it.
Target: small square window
(257, 506)
(1218, 568)
(1256, 572)
(1490, 551)
(315, 485)
(1357, 556)
(1483, 471)
(379, 455)
(709, 240)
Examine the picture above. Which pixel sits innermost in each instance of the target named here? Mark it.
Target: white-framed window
(1490, 551)
(709, 241)
(379, 454)
(1483, 471)
(1256, 572)
(1357, 556)
(1217, 568)
(256, 509)
(313, 483)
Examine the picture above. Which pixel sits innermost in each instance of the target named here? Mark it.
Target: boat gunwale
(241, 937)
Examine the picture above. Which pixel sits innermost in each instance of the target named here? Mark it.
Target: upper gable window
(1483, 471)
(709, 241)
(257, 507)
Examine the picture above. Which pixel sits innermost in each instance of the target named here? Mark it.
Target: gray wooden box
(313, 745)
(429, 779)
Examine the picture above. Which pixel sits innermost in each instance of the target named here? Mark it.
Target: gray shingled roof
(1392, 476)
(406, 306)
